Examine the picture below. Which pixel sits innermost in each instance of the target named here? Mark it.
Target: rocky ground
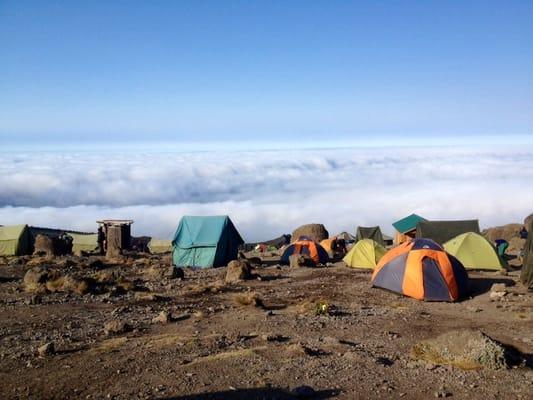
(131, 328)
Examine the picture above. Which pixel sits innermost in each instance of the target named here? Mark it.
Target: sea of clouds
(267, 193)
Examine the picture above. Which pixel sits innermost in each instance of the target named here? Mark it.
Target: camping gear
(526, 276)
(330, 245)
(15, 240)
(389, 240)
(305, 246)
(371, 232)
(442, 231)
(406, 228)
(421, 269)
(205, 242)
(365, 254)
(158, 246)
(270, 244)
(347, 237)
(474, 252)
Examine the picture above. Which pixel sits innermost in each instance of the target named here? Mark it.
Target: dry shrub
(155, 271)
(37, 261)
(105, 277)
(125, 285)
(68, 283)
(197, 289)
(248, 299)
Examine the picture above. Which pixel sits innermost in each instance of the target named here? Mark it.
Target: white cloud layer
(267, 192)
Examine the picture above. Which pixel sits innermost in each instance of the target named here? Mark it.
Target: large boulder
(44, 245)
(506, 232)
(509, 232)
(316, 232)
(528, 220)
(238, 270)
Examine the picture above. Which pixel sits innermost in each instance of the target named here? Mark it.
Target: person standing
(101, 240)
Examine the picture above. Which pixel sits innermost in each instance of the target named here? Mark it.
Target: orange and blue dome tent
(421, 269)
(304, 245)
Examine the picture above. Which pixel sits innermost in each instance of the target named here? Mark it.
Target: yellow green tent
(474, 252)
(366, 253)
(15, 240)
(158, 246)
(84, 242)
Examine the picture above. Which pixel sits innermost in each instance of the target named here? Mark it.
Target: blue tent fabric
(205, 242)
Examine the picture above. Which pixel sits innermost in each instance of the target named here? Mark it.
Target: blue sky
(264, 71)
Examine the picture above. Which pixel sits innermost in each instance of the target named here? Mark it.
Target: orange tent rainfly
(421, 269)
(307, 246)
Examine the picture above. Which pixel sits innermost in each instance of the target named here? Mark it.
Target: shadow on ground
(255, 394)
(480, 285)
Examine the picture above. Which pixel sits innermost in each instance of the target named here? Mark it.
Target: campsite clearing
(321, 327)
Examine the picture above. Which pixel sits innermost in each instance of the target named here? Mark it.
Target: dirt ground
(257, 339)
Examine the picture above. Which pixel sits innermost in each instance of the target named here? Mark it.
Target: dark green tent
(205, 242)
(369, 232)
(526, 276)
(442, 231)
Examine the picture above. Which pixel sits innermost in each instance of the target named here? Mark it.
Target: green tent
(372, 232)
(15, 240)
(442, 231)
(408, 223)
(474, 252)
(158, 246)
(365, 254)
(87, 242)
(205, 242)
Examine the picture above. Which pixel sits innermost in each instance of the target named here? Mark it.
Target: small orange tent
(421, 269)
(305, 246)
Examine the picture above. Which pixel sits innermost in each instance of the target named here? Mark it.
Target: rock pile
(465, 349)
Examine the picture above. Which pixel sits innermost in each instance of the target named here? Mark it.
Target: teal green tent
(205, 242)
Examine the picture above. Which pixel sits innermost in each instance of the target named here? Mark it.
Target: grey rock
(163, 318)
(116, 327)
(238, 270)
(46, 349)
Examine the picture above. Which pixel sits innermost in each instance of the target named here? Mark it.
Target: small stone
(301, 260)
(174, 273)
(33, 300)
(497, 295)
(162, 318)
(384, 361)
(116, 327)
(181, 316)
(498, 287)
(275, 338)
(47, 349)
